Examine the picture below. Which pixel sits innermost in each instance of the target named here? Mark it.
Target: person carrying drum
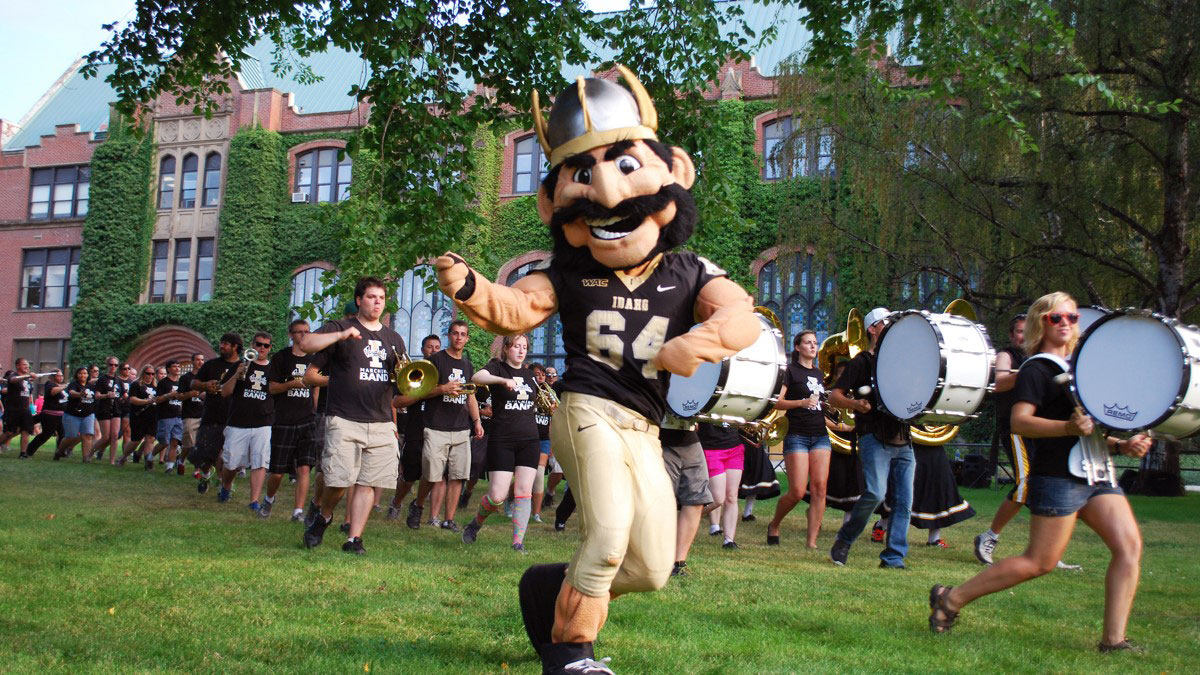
(885, 447)
(1045, 416)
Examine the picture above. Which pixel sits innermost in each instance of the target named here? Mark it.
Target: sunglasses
(264, 345)
(1057, 318)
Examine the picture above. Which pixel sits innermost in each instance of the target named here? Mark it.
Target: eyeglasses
(1057, 318)
(264, 345)
(112, 365)
(126, 368)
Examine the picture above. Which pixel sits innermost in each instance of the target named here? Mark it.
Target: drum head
(687, 396)
(1128, 371)
(907, 366)
(1088, 316)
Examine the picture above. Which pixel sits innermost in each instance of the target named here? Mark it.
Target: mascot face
(616, 199)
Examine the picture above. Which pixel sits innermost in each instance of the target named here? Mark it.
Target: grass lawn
(105, 570)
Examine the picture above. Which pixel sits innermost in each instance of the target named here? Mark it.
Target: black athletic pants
(51, 426)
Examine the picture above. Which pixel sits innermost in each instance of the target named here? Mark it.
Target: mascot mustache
(632, 212)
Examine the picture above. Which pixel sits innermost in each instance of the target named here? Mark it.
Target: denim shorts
(545, 446)
(169, 429)
(1056, 496)
(74, 426)
(800, 444)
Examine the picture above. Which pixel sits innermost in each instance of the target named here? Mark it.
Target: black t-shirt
(1005, 399)
(543, 425)
(614, 325)
(84, 404)
(172, 408)
(860, 371)
(1036, 385)
(52, 401)
(678, 438)
(801, 383)
(449, 413)
(251, 404)
(143, 391)
(360, 372)
(718, 436)
(414, 423)
(193, 408)
(513, 414)
(216, 406)
(121, 402)
(20, 393)
(105, 385)
(294, 406)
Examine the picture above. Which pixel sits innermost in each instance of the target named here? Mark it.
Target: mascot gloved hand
(617, 202)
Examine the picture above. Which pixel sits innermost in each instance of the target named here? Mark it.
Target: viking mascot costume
(617, 202)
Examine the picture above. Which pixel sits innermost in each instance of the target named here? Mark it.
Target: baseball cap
(875, 316)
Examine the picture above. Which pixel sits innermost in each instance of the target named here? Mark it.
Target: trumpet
(413, 378)
(249, 356)
(546, 401)
(472, 388)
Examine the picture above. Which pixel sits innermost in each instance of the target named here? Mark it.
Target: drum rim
(1184, 382)
(781, 357)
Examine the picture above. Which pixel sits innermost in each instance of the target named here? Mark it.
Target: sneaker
(940, 543)
(839, 553)
(354, 546)
(414, 515)
(877, 533)
(1060, 565)
(714, 530)
(749, 519)
(548, 501)
(316, 532)
(170, 467)
(508, 508)
(393, 512)
(241, 472)
(680, 569)
(730, 545)
(223, 495)
(559, 527)
(344, 527)
(886, 566)
(264, 508)
(297, 515)
(311, 516)
(471, 531)
(121, 462)
(464, 500)
(180, 468)
(149, 464)
(377, 508)
(195, 474)
(537, 518)
(137, 457)
(450, 525)
(1122, 646)
(255, 508)
(434, 522)
(22, 456)
(589, 667)
(202, 486)
(984, 546)
(519, 547)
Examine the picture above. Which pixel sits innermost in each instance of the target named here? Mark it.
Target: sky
(40, 40)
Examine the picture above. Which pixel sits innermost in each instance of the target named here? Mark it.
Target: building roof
(75, 100)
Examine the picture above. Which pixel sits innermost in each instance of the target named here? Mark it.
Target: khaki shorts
(612, 459)
(446, 453)
(360, 453)
(191, 429)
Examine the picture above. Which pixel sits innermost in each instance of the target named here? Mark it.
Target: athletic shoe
(197, 475)
(1060, 565)
(344, 527)
(377, 508)
(680, 569)
(730, 545)
(149, 464)
(255, 508)
(471, 531)
(519, 547)
(877, 533)
(749, 519)
(559, 527)
(884, 566)
(414, 515)
(264, 509)
(297, 515)
(223, 495)
(313, 511)
(772, 540)
(202, 486)
(450, 525)
(22, 456)
(1123, 645)
(840, 552)
(180, 468)
(241, 472)
(548, 501)
(354, 546)
(714, 530)
(537, 518)
(170, 467)
(137, 456)
(508, 508)
(589, 667)
(464, 499)
(984, 546)
(316, 532)
(434, 522)
(393, 512)
(940, 543)
(121, 462)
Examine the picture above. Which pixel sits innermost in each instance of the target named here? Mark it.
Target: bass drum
(1089, 316)
(739, 389)
(933, 368)
(1158, 390)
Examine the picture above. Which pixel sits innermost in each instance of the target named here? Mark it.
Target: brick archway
(169, 342)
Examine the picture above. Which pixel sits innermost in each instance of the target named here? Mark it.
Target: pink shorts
(720, 461)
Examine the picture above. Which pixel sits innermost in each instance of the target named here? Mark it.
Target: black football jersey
(614, 325)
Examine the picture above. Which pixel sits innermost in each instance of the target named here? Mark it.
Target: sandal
(1123, 645)
(937, 603)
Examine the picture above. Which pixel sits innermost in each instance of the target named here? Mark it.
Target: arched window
(529, 165)
(927, 290)
(323, 175)
(545, 341)
(803, 290)
(790, 151)
(166, 182)
(308, 287)
(187, 183)
(212, 179)
(421, 309)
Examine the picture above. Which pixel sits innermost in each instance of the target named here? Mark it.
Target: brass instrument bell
(249, 356)
(413, 378)
(546, 400)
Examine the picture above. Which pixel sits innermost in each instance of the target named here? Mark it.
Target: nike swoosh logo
(582, 428)
(664, 288)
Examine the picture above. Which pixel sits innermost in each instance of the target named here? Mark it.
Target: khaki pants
(360, 453)
(612, 459)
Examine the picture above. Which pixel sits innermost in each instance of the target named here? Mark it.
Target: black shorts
(143, 425)
(210, 441)
(479, 447)
(18, 419)
(410, 457)
(507, 455)
(293, 445)
(104, 410)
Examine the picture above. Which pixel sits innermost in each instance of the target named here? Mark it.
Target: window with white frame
(421, 309)
(792, 151)
(308, 286)
(529, 165)
(323, 175)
